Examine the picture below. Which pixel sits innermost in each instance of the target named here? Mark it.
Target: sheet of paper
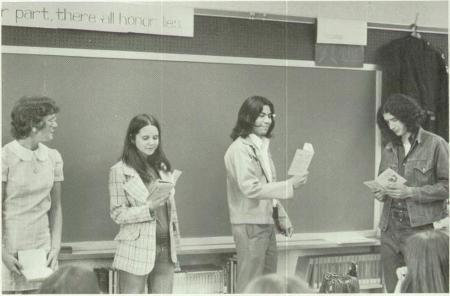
(36, 275)
(301, 161)
(34, 263)
(32, 258)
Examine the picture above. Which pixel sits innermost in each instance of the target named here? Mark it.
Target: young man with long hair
(421, 157)
(252, 191)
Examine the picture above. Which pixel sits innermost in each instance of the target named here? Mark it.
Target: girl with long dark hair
(148, 236)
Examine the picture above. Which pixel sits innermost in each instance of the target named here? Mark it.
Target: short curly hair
(29, 112)
(405, 109)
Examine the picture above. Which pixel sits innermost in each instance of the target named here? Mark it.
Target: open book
(142, 193)
(34, 263)
(388, 177)
(301, 160)
(163, 188)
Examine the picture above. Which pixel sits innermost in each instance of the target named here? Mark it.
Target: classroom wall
(213, 36)
(431, 13)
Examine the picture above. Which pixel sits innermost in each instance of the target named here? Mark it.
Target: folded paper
(302, 159)
(34, 264)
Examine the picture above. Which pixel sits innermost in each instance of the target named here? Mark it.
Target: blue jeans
(256, 248)
(393, 245)
(160, 279)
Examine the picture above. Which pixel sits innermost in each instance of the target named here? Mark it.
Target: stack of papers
(388, 177)
(34, 264)
(302, 159)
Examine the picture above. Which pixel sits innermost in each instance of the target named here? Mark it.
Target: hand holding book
(399, 191)
(162, 190)
(298, 180)
(11, 262)
(160, 193)
(389, 183)
(52, 258)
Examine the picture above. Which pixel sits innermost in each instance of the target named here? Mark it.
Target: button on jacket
(249, 193)
(426, 171)
(137, 235)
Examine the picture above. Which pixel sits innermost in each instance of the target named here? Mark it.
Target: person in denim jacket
(421, 157)
(253, 191)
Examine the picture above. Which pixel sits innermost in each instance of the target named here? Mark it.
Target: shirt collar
(261, 143)
(418, 136)
(26, 154)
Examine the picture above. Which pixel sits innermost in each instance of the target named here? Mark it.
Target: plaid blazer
(136, 248)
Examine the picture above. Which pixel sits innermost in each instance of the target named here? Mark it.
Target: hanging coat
(413, 67)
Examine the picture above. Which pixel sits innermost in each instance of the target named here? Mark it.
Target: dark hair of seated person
(427, 260)
(71, 280)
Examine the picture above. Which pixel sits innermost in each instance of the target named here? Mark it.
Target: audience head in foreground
(71, 280)
(427, 263)
(275, 283)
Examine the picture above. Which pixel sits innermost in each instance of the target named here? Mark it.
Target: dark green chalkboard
(197, 105)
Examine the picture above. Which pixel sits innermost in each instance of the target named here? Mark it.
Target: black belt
(163, 240)
(400, 214)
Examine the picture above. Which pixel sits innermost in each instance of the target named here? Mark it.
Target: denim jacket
(426, 171)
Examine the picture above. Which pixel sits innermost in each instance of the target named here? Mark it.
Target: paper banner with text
(147, 18)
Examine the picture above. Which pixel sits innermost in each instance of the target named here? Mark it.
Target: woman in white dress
(31, 190)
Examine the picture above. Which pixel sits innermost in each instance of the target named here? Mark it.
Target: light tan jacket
(249, 193)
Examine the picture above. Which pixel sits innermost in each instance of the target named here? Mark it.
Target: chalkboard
(197, 105)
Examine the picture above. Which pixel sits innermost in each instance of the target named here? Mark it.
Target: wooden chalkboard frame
(217, 241)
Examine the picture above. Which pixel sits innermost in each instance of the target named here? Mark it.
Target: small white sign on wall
(148, 18)
(337, 31)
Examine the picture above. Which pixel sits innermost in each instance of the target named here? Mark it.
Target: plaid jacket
(136, 248)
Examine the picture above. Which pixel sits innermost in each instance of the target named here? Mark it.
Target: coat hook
(414, 32)
(416, 19)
